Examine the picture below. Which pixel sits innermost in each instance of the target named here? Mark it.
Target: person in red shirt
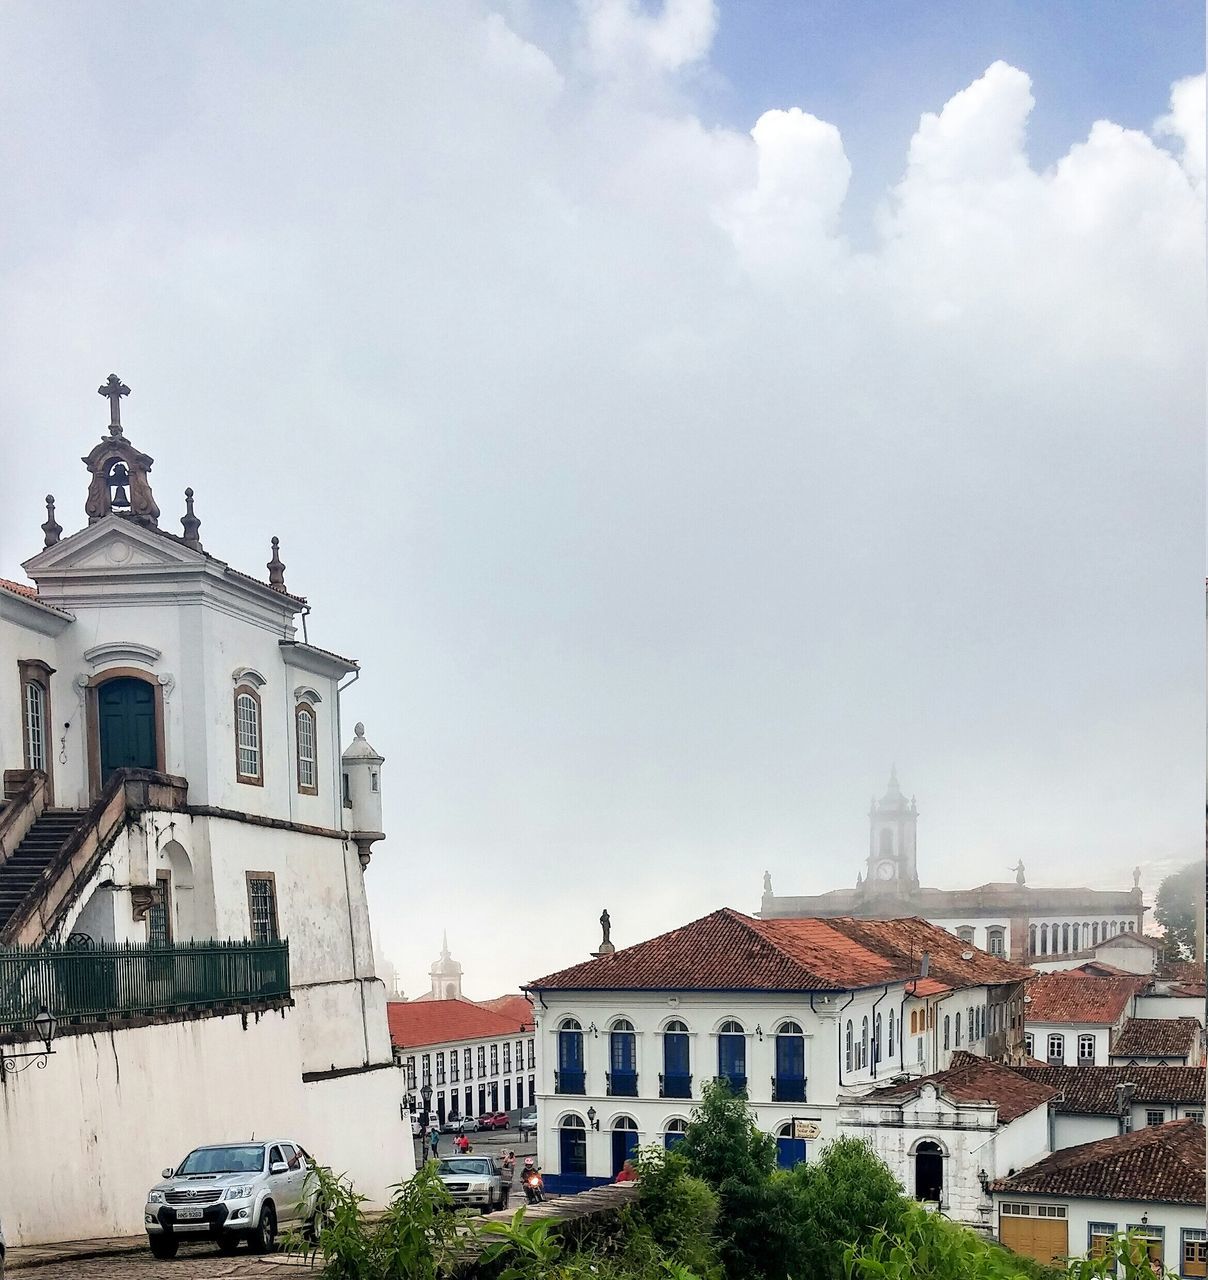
(628, 1172)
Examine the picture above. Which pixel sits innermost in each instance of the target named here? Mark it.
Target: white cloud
(1185, 123)
(663, 518)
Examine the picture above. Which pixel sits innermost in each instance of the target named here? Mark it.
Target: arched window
(947, 1032)
(1044, 939)
(1095, 934)
(34, 710)
(966, 933)
(623, 1060)
(789, 1085)
(674, 1132)
(1065, 939)
(1056, 1049)
(790, 1151)
(929, 1172)
(1031, 939)
(864, 1045)
(886, 843)
(572, 1146)
(1103, 931)
(248, 753)
(307, 739)
(1074, 937)
(570, 1078)
(1086, 1051)
(996, 940)
(891, 1030)
(677, 1078)
(732, 1055)
(624, 1142)
(876, 1040)
(956, 1039)
(849, 1041)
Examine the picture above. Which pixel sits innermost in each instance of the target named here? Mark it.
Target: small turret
(363, 794)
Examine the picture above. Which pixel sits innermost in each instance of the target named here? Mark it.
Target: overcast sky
(682, 412)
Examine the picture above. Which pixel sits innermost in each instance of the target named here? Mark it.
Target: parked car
(417, 1126)
(460, 1124)
(494, 1120)
(528, 1122)
(476, 1181)
(233, 1192)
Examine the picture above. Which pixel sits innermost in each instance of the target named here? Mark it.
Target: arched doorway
(790, 1151)
(572, 1146)
(127, 731)
(624, 1142)
(929, 1172)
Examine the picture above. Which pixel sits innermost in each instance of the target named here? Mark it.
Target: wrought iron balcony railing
(107, 982)
(788, 1089)
(737, 1083)
(675, 1086)
(622, 1084)
(570, 1082)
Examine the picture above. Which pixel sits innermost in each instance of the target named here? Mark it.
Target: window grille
(262, 908)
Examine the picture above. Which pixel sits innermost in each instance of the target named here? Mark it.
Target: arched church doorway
(126, 725)
(929, 1172)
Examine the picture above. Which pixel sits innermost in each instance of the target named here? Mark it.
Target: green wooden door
(126, 709)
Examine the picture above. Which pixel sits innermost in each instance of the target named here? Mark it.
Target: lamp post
(425, 1094)
(45, 1025)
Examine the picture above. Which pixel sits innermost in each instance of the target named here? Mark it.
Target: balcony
(621, 1084)
(106, 983)
(675, 1086)
(737, 1084)
(570, 1082)
(788, 1089)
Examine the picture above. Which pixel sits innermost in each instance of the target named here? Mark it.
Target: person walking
(434, 1139)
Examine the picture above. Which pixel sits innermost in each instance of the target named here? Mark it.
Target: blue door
(624, 1144)
(570, 1062)
(677, 1081)
(623, 1066)
(126, 722)
(732, 1060)
(790, 1068)
(789, 1152)
(572, 1151)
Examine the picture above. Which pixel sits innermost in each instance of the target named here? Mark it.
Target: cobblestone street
(195, 1260)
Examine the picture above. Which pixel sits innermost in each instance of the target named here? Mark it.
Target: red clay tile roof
(1101, 969)
(1091, 1091)
(1068, 996)
(19, 588)
(1190, 972)
(729, 951)
(515, 1007)
(1163, 1163)
(974, 1079)
(414, 1023)
(1189, 991)
(1156, 1038)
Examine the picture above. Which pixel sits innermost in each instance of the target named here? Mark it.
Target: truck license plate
(190, 1215)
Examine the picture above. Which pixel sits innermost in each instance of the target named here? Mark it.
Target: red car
(494, 1120)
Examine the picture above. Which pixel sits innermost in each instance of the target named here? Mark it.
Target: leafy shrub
(677, 1210)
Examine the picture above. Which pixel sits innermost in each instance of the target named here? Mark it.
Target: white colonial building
(1073, 1018)
(792, 1012)
(173, 776)
(1150, 1182)
(1005, 918)
(946, 1137)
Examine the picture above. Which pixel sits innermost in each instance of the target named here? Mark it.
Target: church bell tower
(892, 822)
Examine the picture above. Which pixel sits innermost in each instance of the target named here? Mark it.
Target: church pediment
(113, 543)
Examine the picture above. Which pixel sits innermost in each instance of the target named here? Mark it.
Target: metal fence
(108, 982)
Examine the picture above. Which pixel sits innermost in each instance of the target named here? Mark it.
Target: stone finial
(358, 729)
(276, 570)
(190, 523)
(52, 529)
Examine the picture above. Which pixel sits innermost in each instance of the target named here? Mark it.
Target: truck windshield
(222, 1160)
(480, 1168)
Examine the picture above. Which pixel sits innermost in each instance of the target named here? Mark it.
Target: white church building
(183, 848)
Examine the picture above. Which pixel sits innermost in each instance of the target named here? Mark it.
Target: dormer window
(306, 736)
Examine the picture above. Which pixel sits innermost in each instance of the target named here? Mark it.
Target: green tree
(1180, 898)
(846, 1198)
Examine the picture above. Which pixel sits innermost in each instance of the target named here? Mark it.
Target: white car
(460, 1124)
(417, 1128)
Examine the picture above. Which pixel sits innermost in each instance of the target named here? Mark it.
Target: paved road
(200, 1260)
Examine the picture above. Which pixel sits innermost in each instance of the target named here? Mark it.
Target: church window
(1074, 937)
(891, 1033)
(849, 1042)
(876, 1041)
(956, 1039)
(1031, 939)
(864, 1045)
(1065, 939)
(247, 736)
(947, 1032)
(1086, 1050)
(1103, 931)
(262, 906)
(1044, 939)
(306, 733)
(1095, 934)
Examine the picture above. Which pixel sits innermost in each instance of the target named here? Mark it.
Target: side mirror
(167, 1173)
(278, 1166)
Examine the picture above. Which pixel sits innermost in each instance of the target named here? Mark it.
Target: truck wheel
(264, 1236)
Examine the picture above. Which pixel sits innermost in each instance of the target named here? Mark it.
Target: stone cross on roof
(114, 388)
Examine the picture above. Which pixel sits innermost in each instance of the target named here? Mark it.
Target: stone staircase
(22, 872)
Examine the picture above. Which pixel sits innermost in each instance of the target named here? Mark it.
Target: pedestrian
(628, 1172)
(434, 1139)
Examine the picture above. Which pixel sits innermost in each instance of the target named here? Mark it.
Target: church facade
(1012, 919)
(183, 848)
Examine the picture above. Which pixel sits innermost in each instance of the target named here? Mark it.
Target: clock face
(884, 870)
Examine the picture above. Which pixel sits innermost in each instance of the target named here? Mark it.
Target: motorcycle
(534, 1186)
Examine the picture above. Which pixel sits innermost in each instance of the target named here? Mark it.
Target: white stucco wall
(1159, 1006)
(1074, 1130)
(1040, 1031)
(518, 1074)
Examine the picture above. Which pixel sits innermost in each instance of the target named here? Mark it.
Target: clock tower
(892, 820)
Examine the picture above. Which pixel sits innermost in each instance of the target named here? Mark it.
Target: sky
(683, 412)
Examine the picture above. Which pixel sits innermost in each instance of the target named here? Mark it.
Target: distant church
(1003, 918)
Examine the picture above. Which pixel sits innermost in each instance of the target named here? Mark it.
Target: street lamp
(425, 1094)
(45, 1025)
(591, 1118)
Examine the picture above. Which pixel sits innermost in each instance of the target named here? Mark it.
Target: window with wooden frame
(249, 748)
(306, 739)
(262, 906)
(35, 713)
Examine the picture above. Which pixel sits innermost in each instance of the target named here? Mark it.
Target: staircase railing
(20, 812)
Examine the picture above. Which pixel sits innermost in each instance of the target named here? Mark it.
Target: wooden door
(126, 720)
(1044, 1239)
